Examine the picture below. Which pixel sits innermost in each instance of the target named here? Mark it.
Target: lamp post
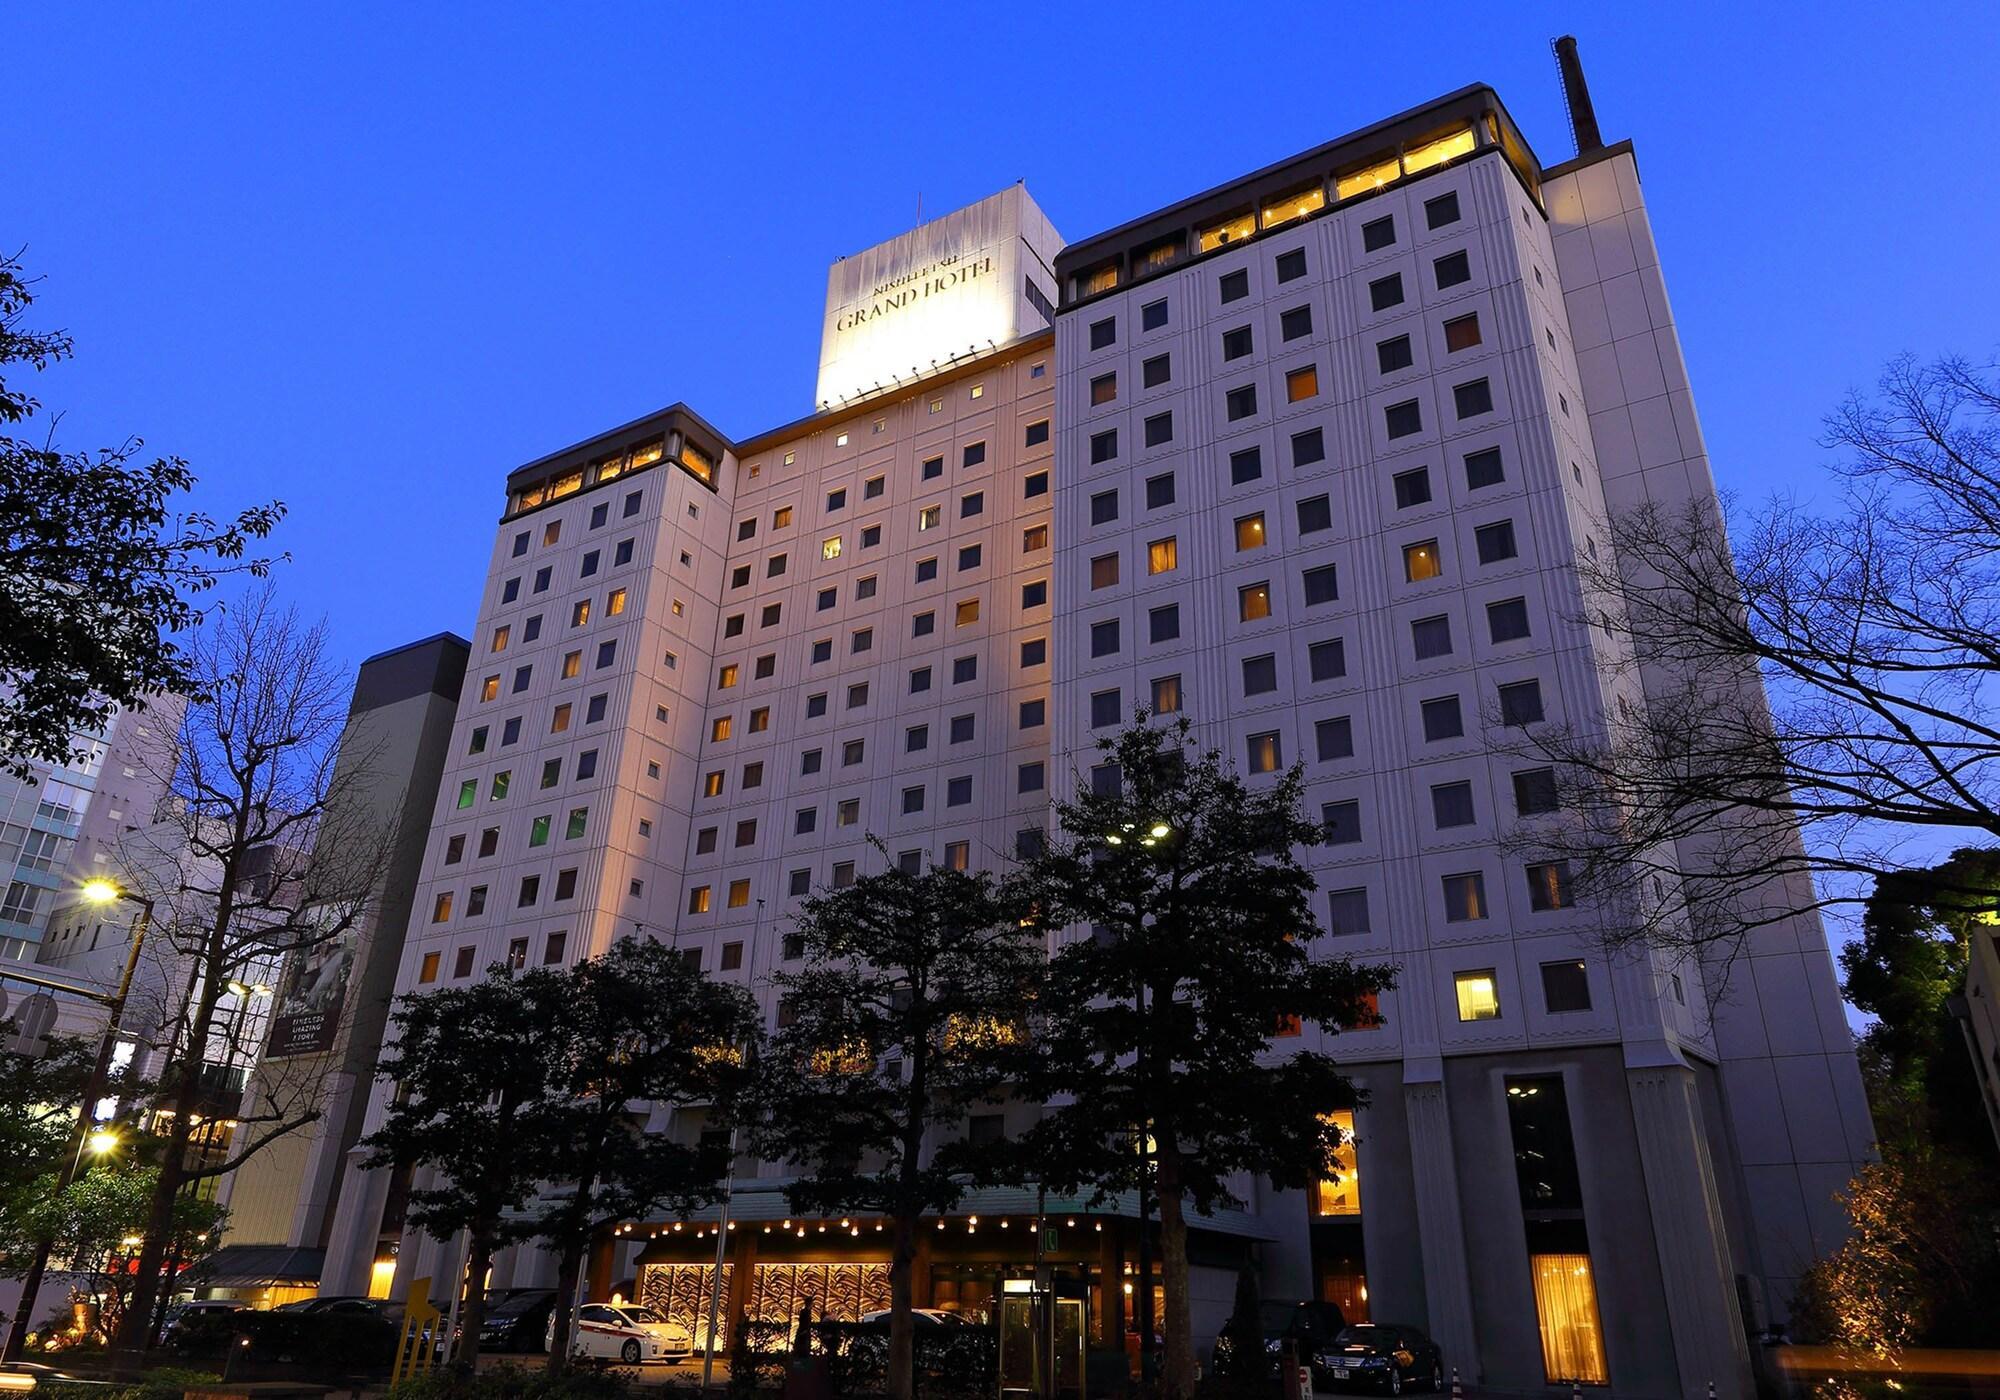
(85, 1136)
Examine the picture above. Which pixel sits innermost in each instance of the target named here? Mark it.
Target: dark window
(1328, 659)
(968, 557)
(933, 468)
(1245, 464)
(1452, 269)
(1037, 434)
(1404, 419)
(1159, 490)
(822, 650)
(1495, 541)
(1461, 333)
(1315, 513)
(1347, 911)
(963, 669)
(1442, 210)
(1451, 804)
(1241, 402)
(589, 564)
(1442, 719)
(1237, 343)
(1104, 638)
(1484, 468)
(1431, 637)
(1308, 447)
(1105, 708)
(974, 454)
(1103, 333)
(920, 680)
(1335, 738)
(1377, 234)
(1104, 445)
(1156, 371)
(1164, 624)
(1413, 487)
(1322, 585)
(1153, 315)
(1296, 323)
(815, 705)
(1386, 292)
(1521, 703)
(1393, 354)
(1035, 651)
(1473, 399)
(1565, 986)
(1545, 1167)
(958, 792)
(1104, 507)
(1507, 620)
(970, 504)
(916, 738)
(1292, 265)
(1159, 429)
(1034, 713)
(1548, 886)
(1260, 675)
(1342, 822)
(1036, 594)
(913, 800)
(1535, 791)
(1035, 484)
(1234, 286)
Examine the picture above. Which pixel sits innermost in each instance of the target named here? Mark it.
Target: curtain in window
(1566, 1306)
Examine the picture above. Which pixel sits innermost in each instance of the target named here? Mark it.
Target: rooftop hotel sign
(948, 288)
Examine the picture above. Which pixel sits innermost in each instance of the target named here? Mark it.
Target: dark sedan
(1383, 1356)
(518, 1322)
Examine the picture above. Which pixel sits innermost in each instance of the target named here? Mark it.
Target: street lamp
(86, 1135)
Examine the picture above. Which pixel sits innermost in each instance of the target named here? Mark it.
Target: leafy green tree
(101, 564)
(638, 1028)
(38, 1103)
(1157, 1052)
(475, 1067)
(908, 1013)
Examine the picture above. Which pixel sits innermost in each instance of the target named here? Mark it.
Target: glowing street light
(103, 1140)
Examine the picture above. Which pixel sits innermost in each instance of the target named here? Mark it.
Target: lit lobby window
(1286, 208)
(1339, 1194)
(1478, 995)
(1566, 1307)
(1233, 230)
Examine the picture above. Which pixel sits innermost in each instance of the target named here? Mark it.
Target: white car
(624, 1332)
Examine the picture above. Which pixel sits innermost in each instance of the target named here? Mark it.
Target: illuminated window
(441, 909)
(1266, 754)
(1101, 279)
(739, 894)
(711, 784)
(966, 613)
(1104, 571)
(1369, 177)
(468, 793)
(1420, 561)
(698, 900)
(615, 603)
(429, 972)
(977, 391)
(1033, 538)
(1461, 333)
(572, 665)
(489, 688)
(1163, 556)
(1437, 152)
(552, 532)
(1232, 230)
(1286, 208)
(1566, 1307)
(579, 819)
(1339, 1193)
(929, 517)
(830, 548)
(1548, 886)
(500, 635)
(1150, 260)
(957, 855)
(498, 791)
(1478, 995)
(726, 677)
(579, 614)
(1464, 897)
(1166, 695)
(1302, 384)
(1253, 601)
(538, 831)
(719, 730)
(1250, 531)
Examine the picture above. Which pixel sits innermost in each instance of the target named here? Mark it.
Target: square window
(1464, 897)
(1451, 805)
(920, 680)
(1034, 537)
(1033, 713)
(1159, 491)
(1442, 719)
(1246, 464)
(853, 753)
(1452, 269)
(1104, 507)
(1035, 484)
(1302, 383)
(1253, 602)
(1548, 886)
(809, 762)
(1029, 777)
(1233, 286)
(1535, 791)
(933, 468)
(1105, 708)
(1315, 514)
(1328, 659)
(1393, 354)
(964, 669)
(1164, 623)
(926, 570)
(1308, 447)
(1296, 324)
(1441, 211)
(1104, 389)
(1035, 652)
(1565, 986)
(1153, 315)
(1103, 333)
(1237, 343)
(973, 455)
(1104, 638)
(1166, 695)
(1430, 637)
(847, 812)
(1385, 292)
(1521, 703)
(1334, 738)
(520, 544)
(589, 564)
(1461, 333)
(1104, 445)
(1035, 434)
(1322, 585)
(1104, 571)
(1240, 402)
(916, 738)
(1163, 556)
(857, 695)
(958, 792)
(965, 613)
(1341, 823)
(913, 800)
(1260, 674)
(1250, 531)
(1291, 265)
(1265, 753)
(1159, 429)
(1421, 561)
(542, 576)
(1484, 468)
(1404, 419)
(968, 557)
(970, 504)
(1478, 995)
(1378, 234)
(1495, 542)
(1347, 911)
(1473, 399)
(1507, 620)
(1156, 371)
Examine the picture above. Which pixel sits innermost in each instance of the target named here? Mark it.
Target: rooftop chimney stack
(1576, 96)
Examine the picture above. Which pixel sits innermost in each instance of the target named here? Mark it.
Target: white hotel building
(1308, 458)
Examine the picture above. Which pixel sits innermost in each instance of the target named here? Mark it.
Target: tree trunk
(478, 1259)
(566, 1272)
(1179, 1328)
(900, 1382)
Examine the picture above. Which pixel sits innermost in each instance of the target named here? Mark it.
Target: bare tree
(1803, 709)
(267, 850)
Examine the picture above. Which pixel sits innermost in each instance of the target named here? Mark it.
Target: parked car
(623, 1332)
(518, 1322)
(921, 1317)
(1311, 1324)
(1379, 1356)
(181, 1314)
